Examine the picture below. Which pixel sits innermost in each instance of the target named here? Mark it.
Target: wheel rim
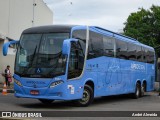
(86, 97)
(143, 90)
(137, 92)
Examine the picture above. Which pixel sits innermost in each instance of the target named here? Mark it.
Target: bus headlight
(56, 83)
(17, 82)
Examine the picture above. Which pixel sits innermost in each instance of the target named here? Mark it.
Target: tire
(46, 101)
(143, 90)
(88, 97)
(137, 93)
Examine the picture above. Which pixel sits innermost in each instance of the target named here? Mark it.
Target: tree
(144, 25)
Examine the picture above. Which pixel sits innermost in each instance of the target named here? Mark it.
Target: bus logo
(38, 70)
(137, 66)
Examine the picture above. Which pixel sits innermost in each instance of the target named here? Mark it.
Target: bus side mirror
(7, 45)
(67, 46)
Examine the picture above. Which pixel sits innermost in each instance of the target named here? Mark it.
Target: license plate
(34, 92)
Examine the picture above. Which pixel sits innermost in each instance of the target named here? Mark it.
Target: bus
(79, 63)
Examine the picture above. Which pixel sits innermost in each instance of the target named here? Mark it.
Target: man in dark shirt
(7, 75)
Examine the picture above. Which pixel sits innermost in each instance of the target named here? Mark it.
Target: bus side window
(150, 57)
(131, 51)
(139, 53)
(95, 45)
(143, 55)
(81, 36)
(108, 43)
(76, 61)
(146, 55)
(121, 49)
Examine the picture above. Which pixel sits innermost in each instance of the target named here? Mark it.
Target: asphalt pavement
(111, 104)
(150, 102)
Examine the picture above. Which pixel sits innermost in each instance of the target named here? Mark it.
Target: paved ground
(150, 102)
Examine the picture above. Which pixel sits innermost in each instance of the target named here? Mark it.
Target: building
(17, 15)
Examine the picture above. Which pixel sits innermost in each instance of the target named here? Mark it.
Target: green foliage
(144, 25)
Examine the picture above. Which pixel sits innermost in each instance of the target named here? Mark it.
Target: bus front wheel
(45, 101)
(87, 98)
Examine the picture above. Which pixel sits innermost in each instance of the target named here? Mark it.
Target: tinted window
(108, 45)
(143, 54)
(150, 57)
(131, 51)
(77, 55)
(139, 53)
(43, 51)
(76, 61)
(81, 36)
(147, 55)
(95, 45)
(121, 49)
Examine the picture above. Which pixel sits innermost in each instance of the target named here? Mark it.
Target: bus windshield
(40, 55)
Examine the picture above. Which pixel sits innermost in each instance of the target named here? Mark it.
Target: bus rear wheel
(143, 89)
(137, 93)
(45, 101)
(87, 98)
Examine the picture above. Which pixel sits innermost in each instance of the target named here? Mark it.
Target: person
(7, 75)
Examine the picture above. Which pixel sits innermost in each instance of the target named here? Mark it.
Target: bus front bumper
(56, 93)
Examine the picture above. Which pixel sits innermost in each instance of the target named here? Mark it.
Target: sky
(108, 14)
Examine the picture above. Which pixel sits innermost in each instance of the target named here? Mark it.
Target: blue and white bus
(67, 62)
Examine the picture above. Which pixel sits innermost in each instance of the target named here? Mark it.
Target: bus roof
(49, 29)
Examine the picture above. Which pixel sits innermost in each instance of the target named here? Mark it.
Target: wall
(17, 15)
